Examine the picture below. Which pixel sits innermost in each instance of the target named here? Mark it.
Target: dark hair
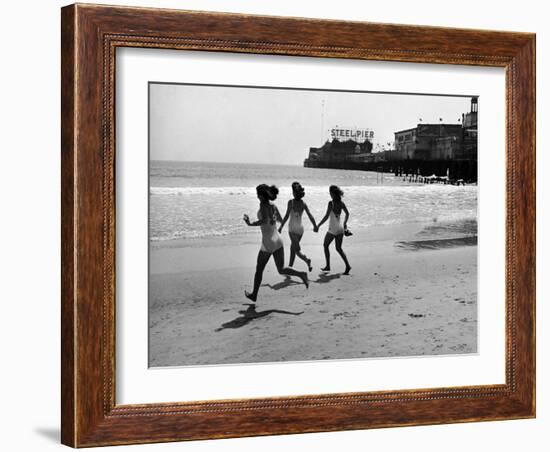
(269, 193)
(297, 190)
(336, 192)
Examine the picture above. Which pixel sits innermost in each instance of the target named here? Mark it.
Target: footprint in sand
(342, 314)
(459, 347)
(389, 300)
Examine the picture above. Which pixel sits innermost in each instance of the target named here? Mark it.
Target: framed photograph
(281, 225)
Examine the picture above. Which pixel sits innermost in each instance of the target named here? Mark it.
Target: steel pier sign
(351, 133)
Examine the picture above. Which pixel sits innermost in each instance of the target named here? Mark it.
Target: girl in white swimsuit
(335, 227)
(272, 243)
(295, 208)
(271, 240)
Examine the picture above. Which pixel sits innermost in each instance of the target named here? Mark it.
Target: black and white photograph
(291, 224)
(248, 226)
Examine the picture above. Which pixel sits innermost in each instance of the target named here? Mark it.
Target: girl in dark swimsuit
(272, 244)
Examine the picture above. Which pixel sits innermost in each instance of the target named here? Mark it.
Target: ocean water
(194, 200)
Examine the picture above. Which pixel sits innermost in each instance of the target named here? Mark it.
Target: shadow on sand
(437, 244)
(281, 285)
(251, 314)
(324, 278)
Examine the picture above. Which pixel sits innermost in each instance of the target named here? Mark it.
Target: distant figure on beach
(295, 208)
(335, 227)
(272, 243)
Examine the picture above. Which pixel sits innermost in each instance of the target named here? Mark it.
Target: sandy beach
(412, 291)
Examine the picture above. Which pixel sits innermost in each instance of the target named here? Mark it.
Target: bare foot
(250, 296)
(305, 279)
(347, 270)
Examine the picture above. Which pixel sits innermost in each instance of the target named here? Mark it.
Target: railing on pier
(422, 171)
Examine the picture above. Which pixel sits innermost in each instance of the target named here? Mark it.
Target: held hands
(280, 229)
(315, 228)
(246, 219)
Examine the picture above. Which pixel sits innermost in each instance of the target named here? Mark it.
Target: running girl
(335, 227)
(295, 208)
(272, 244)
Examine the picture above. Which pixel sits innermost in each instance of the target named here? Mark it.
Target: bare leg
(328, 240)
(279, 258)
(339, 240)
(296, 250)
(292, 250)
(263, 258)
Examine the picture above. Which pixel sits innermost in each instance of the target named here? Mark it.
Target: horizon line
(236, 163)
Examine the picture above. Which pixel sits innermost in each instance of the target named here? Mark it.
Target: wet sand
(412, 291)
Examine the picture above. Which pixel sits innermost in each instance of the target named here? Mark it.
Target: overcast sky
(277, 126)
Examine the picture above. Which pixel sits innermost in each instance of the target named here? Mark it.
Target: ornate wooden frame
(90, 35)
